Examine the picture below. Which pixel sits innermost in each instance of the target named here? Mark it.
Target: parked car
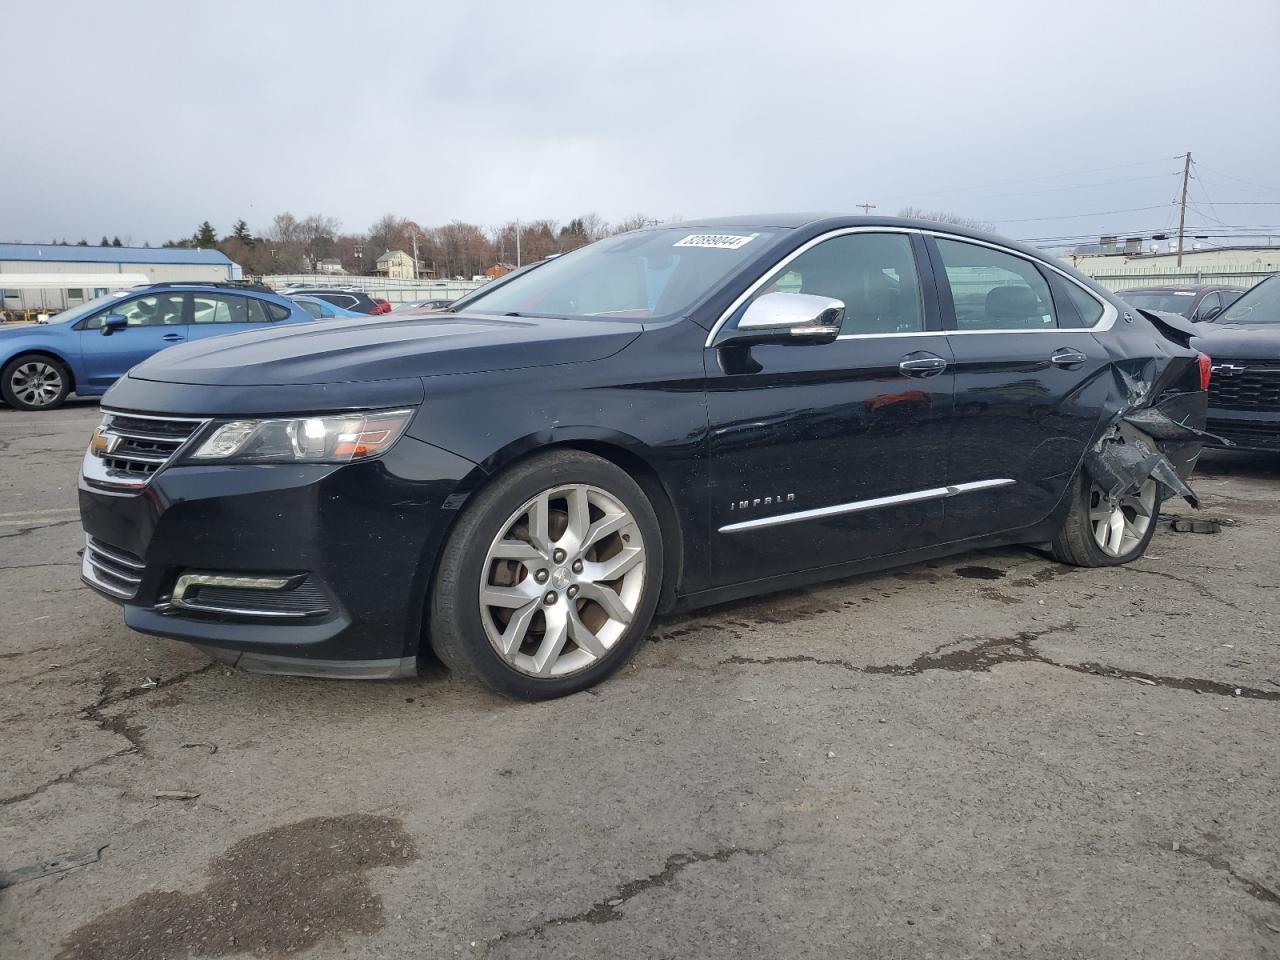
(323, 309)
(349, 298)
(421, 306)
(1244, 341)
(1196, 302)
(87, 348)
(668, 418)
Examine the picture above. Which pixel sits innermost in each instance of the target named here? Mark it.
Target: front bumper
(347, 551)
(1246, 429)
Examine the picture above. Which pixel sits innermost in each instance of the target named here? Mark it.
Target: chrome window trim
(1105, 322)
(875, 503)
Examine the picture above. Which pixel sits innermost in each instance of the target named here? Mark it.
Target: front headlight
(338, 438)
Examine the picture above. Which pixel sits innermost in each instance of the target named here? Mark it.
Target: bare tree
(939, 216)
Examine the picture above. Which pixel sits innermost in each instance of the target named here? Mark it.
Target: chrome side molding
(858, 506)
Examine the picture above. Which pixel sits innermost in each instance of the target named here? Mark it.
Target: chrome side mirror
(786, 318)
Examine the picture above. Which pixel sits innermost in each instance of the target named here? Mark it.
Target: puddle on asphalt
(274, 893)
(979, 573)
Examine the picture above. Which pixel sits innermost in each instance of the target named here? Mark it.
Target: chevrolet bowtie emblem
(1229, 369)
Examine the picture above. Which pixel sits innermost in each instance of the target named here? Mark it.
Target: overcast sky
(144, 118)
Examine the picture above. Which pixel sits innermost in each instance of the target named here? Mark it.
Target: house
(396, 265)
(46, 276)
(330, 265)
(499, 270)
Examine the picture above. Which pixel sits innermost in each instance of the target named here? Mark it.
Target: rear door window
(993, 290)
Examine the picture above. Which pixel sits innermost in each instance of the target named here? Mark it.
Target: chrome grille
(110, 569)
(1245, 385)
(128, 449)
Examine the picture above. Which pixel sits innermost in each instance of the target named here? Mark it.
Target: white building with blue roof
(49, 277)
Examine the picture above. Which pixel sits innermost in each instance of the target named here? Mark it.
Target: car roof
(819, 222)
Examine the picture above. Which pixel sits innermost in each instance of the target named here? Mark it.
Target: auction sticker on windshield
(718, 241)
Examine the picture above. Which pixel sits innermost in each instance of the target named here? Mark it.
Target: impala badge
(735, 505)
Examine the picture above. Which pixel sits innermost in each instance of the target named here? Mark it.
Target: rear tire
(1099, 533)
(550, 578)
(35, 381)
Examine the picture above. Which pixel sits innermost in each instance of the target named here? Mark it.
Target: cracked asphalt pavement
(988, 756)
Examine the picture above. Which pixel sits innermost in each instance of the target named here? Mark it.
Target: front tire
(1099, 532)
(34, 381)
(550, 578)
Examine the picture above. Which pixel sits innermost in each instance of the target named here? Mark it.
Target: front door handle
(173, 336)
(1067, 357)
(921, 364)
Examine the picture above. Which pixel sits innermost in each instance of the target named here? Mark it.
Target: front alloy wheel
(562, 580)
(34, 382)
(550, 576)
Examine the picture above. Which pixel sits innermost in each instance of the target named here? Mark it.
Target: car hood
(1256, 341)
(378, 348)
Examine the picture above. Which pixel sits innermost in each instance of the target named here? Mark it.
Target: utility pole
(517, 243)
(866, 207)
(415, 255)
(1182, 216)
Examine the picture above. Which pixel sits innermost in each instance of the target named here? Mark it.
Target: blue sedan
(88, 348)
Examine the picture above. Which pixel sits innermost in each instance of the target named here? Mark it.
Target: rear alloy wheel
(34, 382)
(550, 577)
(1120, 526)
(1101, 532)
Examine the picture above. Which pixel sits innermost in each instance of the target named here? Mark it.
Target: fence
(1235, 275)
(394, 291)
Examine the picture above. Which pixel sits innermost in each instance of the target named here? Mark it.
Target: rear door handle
(1067, 357)
(921, 364)
(173, 336)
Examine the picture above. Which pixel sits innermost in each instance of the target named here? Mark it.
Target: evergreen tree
(105, 242)
(241, 232)
(115, 242)
(83, 242)
(205, 236)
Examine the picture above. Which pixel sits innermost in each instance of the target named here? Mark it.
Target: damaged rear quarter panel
(1155, 412)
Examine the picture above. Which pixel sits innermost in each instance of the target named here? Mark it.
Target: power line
(1076, 186)
(1076, 216)
(1050, 176)
(1220, 173)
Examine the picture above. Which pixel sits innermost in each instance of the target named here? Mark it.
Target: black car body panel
(1244, 394)
(724, 440)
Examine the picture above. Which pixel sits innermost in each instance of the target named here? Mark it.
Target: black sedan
(1244, 342)
(668, 418)
(1198, 302)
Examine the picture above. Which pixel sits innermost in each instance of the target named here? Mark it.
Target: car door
(153, 322)
(215, 314)
(1028, 391)
(829, 453)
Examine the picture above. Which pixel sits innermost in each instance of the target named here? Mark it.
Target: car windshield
(73, 314)
(1165, 300)
(1259, 305)
(645, 274)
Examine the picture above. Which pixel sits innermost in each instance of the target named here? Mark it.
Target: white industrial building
(1240, 266)
(51, 277)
